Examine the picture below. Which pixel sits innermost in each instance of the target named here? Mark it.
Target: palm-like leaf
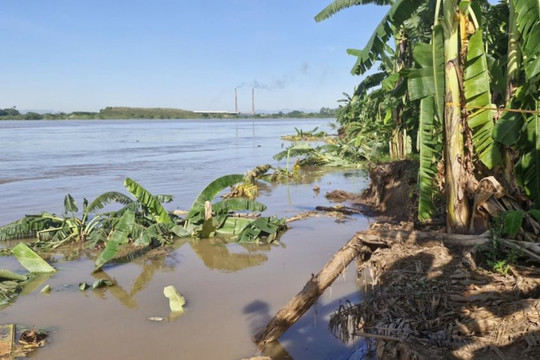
(69, 204)
(528, 23)
(295, 151)
(148, 200)
(210, 192)
(477, 95)
(237, 204)
(428, 138)
(29, 226)
(400, 11)
(426, 83)
(370, 81)
(528, 167)
(338, 5)
(119, 236)
(107, 198)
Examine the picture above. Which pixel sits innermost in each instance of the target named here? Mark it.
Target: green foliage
(237, 204)
(146, 113)
(196, 213)
(148, 201)
(119, 236)
(30, 260)
(264, 227)
(478, 95)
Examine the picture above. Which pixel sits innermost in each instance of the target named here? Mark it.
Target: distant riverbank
(154, 113)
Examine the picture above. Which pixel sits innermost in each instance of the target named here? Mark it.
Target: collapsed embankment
(430, 297)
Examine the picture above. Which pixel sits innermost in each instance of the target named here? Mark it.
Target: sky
(85, 55)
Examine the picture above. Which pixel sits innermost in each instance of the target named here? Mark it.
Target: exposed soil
(430, 301)
(391, 195)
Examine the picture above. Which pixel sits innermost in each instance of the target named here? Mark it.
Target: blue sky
(68, 55)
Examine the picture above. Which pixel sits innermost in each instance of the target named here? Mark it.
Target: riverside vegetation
(458, 92)
(152, 113)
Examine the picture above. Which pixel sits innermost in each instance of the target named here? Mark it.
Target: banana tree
(391, 99)
(207, 218)
(519, 130)
(455, 95)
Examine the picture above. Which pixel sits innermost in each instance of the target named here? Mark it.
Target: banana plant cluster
(472, 90)
(144, 221)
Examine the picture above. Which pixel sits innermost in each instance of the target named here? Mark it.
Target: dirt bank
(427, 300)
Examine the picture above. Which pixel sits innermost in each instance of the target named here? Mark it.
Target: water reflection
(215, 254)
(150, 262)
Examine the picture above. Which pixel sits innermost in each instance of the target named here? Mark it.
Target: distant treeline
(151, 113)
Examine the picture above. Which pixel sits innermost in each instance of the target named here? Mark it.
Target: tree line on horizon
(152, 113)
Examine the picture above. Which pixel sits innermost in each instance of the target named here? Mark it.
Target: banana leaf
(8, 275)
(512, 222)
(119, 236)
(507, 129)
(30, 260)
(528, 24)
(210, 192)
(338, 5)
(235, 204)
(266, 227)
(295, 151)
(400, 11)
(427, 172)
(478, 94)
(528, 166)
(427, 83)
(29, 226)
(233, 226)
(176, 301)
(148, 200)
(69, 204)
(106, 198)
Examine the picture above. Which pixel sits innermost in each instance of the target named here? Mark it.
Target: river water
(231, 290)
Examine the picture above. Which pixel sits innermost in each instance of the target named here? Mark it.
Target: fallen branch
(299, 304)
(342, 209)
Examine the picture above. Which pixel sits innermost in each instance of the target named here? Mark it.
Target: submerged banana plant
(144, 221)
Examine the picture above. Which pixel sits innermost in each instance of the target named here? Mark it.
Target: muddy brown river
(231, 290)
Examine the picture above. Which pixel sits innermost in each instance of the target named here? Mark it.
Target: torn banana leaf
(119, 236)
(176, 301)
(8, 275)
(30, 260)
(101, 283)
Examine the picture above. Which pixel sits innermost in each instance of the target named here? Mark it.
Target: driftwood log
(299, 304)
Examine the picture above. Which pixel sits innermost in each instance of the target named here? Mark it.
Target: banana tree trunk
(457, 206)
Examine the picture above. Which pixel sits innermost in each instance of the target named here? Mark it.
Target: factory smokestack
(235, 101)
(253, 101)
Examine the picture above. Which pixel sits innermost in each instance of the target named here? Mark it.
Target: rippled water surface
(231, 290)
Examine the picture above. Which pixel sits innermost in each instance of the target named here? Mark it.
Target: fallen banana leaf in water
(176, 301)
(8, 275)
(83, 286)
(119, 236)
(101, 283)
(30, 260)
